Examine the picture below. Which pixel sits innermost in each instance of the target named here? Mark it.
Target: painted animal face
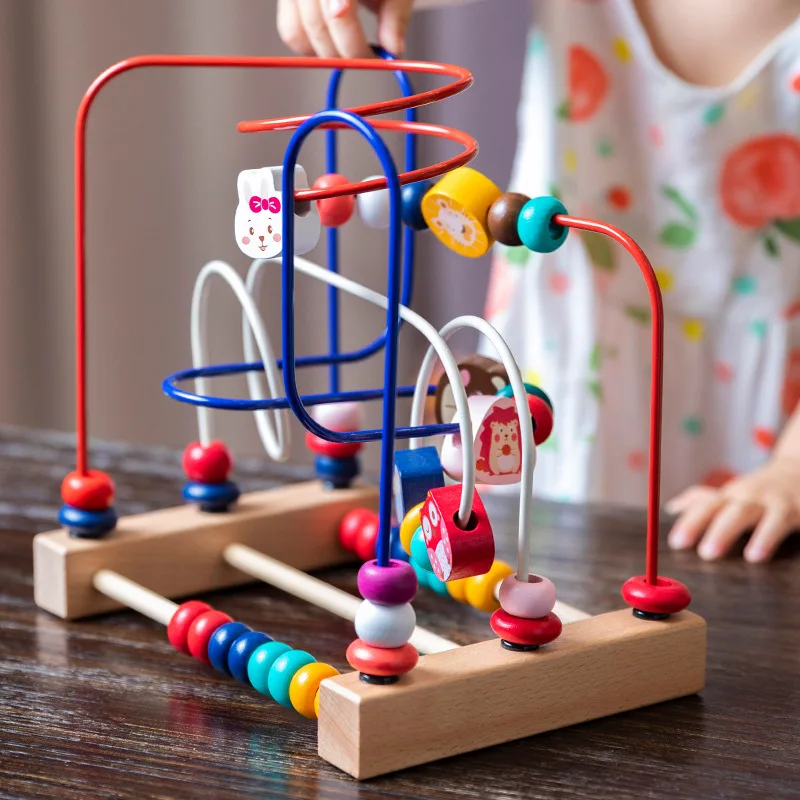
(459, 226)
(505, 434)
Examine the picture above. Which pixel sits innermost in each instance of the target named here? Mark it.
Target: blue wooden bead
(220, 643)
(336, 472)
(396, 546)
(535, 225)
(412, 195)
(282, 672)
(419, 551)
(240, 652)
(87, 524)
(260, 663)
(508, 391)
(416, 472)
(211, 497)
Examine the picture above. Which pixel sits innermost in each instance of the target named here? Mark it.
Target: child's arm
(331, 28)
(766, 501)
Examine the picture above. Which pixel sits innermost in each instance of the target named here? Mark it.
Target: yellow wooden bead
(305, 685)
(457, 208)
(316, 704)
(479, 590)
(409, 526)
(458, 589)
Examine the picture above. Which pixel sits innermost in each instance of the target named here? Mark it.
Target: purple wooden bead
(392, 585)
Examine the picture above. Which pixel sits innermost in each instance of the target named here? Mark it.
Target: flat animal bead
(412, 194)
(479, 591)
(260, 663)
(531, 599)
(385, 626)
(409, 525)
(456, 211)
(200, 632)
(220, 644)
(351, 525)
(419, 551)
(334, 211)
(305, 685)
(666, 597)
(525, 632)
(184, 616)
(479, 375)
(373, 207)
(391, 585)
(502, 218)
(241, 651)
(381, 661)
(282, 672)
(536, 227)
(456, 552)
(91, 492)
(416, 472)
(348, 416)
(211, 463)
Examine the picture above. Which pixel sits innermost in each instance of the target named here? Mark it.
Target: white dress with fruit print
(707, 180)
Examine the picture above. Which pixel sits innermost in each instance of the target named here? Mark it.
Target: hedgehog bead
(373, 207)
(385, 626)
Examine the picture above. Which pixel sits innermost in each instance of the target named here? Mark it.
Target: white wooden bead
(340, 416)
(374, 206)
(385, 626)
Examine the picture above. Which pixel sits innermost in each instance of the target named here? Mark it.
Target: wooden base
(482, 694)
(177, 552)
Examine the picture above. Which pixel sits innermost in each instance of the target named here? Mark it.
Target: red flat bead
(322, 447)
(525, 631)
(184, 616)
(668, 596)
(367, 538)
(381, 661)
(201, 630)
(351, 525)
(210, 463)
(91, 492)
(542, 416)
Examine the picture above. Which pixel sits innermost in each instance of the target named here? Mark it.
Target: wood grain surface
(105, 708)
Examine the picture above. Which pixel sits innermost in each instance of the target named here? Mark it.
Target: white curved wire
(274, 432)
(526, 431)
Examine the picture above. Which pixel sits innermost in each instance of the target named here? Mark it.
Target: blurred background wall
(163, 158)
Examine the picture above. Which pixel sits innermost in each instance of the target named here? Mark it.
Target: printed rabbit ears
(258, 222)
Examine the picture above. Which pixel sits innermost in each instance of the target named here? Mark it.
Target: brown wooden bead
(502, 219)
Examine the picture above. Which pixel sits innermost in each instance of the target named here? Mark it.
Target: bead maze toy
(425, 524)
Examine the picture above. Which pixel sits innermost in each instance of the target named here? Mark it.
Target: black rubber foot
(76, 533)
(649, 615)
(378, 680)
(519, 648)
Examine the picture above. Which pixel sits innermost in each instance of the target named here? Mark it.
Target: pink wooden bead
(340, 416)
(531, 600)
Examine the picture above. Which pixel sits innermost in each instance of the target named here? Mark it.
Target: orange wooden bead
(381, 661)
(455, 552)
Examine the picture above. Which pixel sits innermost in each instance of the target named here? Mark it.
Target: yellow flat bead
(479, 589)
(409, 526)
(304, 687)
(457, 209)
(458, 589)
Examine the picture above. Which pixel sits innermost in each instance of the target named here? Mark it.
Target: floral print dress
(707, 181)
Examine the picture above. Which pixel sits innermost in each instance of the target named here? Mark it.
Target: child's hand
(767, 500)
(331, 28)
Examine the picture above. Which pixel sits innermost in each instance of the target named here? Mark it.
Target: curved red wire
(463, 80)
(656, 376)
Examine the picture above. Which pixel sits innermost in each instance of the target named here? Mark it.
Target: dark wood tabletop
(106, 708)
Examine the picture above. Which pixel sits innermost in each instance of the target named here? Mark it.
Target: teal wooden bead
(282, 672)
(508, 391)
(419, 551)
(535, 225)
(440, 587)
(260, 663)
(422, 574)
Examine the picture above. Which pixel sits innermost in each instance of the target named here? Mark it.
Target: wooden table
(105, 707)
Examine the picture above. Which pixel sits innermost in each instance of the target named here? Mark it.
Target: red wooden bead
(91, 492)
(322, 447)
(184, 616)
(334, 211)
(351, 525)
(201, 630)
(518, 630)
(367, 538)
(668, 596)
(210, 463)
(542, 416)
(502, 218)
(381, 661)
(454, 552)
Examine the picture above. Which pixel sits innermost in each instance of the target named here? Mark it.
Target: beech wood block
(178, 551)
(482, 695)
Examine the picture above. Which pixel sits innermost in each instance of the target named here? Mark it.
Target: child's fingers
(393, 18)
(345, 28)
(291, 30)
(777, 523)
(731, 521)
(316, 28)
(682, 501)
(691, 524)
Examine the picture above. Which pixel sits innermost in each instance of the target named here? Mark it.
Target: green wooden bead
(419, 551)
(535, 225)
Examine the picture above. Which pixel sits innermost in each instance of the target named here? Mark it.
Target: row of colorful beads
(291, 677)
